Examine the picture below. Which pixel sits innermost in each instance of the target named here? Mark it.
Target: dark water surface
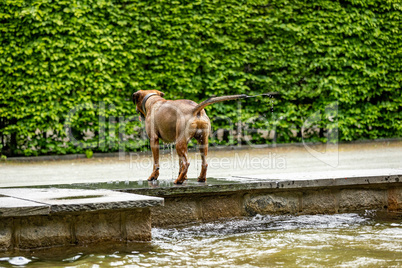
(371, 239)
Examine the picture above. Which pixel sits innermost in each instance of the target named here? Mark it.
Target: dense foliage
(73, 65)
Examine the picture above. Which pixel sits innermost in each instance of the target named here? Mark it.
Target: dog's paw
(152, 178)
(179, 182)
(201, 179)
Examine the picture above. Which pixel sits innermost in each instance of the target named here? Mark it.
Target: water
(265, 95)
(197, 163)
(172, 160)
(282, 162)
(344, 240)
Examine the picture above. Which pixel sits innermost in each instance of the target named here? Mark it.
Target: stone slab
(14, 207)
(263, 183)
(43, 231)
(138, 225)
(395, 199)
(220, 207)
(320, 175)
(6, 234)
(98, 227)
(319, 202)
(74, 200)
(177, 210)
(278, 203)
(360, 199)
(329, 178)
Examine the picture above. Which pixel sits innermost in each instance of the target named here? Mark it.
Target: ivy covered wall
(68, 69)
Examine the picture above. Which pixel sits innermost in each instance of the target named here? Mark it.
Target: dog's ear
(135, 97)
(161, 93)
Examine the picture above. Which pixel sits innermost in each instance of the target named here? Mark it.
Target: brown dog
(176, 121)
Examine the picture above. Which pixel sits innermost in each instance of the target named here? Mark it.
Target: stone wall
(204, 207)
(33, 218)
(44, 231)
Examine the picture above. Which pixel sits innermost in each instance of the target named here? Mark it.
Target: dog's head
(139, 96)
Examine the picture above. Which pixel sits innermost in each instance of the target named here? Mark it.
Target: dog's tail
(213, 100)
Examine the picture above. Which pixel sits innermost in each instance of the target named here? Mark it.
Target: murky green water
(344, 240)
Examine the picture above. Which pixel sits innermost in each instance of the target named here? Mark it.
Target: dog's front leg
(154, 142)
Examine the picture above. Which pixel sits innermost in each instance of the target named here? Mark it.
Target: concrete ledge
(41, 218)
(11, 206)
(70, 200)
(198, 202)
(255, 184)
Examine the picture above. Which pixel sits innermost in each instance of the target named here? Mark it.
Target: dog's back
(173, 118)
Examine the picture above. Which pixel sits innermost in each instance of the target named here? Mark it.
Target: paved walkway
(285, 162)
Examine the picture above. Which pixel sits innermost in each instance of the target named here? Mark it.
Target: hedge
(71, 66)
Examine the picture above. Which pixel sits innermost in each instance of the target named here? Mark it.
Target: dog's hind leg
(181, 166)
(154, 142)
(203, 143)
(181, 148)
